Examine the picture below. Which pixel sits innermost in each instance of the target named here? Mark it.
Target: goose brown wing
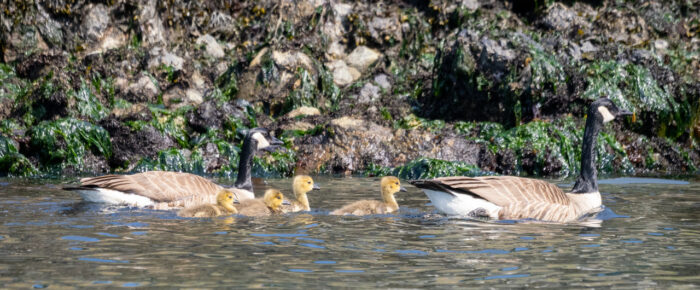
(500, 190)
(160, 186)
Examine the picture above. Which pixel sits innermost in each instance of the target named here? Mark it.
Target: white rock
(194, 96)
(335, 51)
(472, 5)
(382, 80)
(151, 24)
(346, 122)
(362, 57)
(304, 110)
(661, 45)
(213, 49)
(343, 74)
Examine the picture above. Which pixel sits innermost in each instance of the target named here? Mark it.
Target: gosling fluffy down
(270, 204)
(301, 185)
(390, 186)
(223, 206)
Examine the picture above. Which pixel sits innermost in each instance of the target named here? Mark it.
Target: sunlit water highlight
(647, 236)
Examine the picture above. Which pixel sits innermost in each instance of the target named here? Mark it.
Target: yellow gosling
(301, 185)
(270, 204)
(390, 186)
(223, 206)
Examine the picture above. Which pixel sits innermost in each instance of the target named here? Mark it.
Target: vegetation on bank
(498, 75)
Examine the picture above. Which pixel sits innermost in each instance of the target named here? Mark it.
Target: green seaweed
(276, 164)
(559, 140)
(546, 72)
(67, 141)
(11, 86)
(10, 127)
(87, 103)
(329, 90)
(227, 85)
(302, 95)
(16, 165)
(422, 168)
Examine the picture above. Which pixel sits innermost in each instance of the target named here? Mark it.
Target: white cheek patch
(262, 141)
(607, 117)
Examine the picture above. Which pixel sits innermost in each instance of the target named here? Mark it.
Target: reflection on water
(647, 236)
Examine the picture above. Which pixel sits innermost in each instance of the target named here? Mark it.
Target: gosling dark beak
(402, 189)
(286, 202)
(316, 187)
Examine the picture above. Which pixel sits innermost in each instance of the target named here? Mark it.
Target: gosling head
(262, 139)
(391, 185)
(605, 110)
(303, 184)
(273, 198)
(225, 199)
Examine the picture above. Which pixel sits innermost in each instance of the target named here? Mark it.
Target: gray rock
(382, 80)
(143, 90)
(588, 47)
(95, 22)
(383, 29)
(562, 18)
(128, 146)
(495, 56)
(159, 57)
(210, 115)
(50, 29)
(369, 93)
(212, 47)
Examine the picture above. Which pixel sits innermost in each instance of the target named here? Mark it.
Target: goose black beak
(623, 113)
(402, 189)
(275, 141)
(316, 187)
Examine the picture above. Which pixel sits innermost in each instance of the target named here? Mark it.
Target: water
(648, 236)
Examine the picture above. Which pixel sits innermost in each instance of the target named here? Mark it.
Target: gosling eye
(309, 182)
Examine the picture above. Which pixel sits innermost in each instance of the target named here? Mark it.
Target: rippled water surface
(648, 236)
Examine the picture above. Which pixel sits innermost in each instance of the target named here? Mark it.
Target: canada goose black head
(262, 139)
(604, 110)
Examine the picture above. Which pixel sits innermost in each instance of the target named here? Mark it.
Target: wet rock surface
(466, 87)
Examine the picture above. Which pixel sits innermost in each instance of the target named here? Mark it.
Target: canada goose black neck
(588, 179)
(243, 181)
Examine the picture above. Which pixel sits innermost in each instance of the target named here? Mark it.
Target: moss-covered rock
(68, 142)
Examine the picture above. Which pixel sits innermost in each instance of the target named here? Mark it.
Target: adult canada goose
(390, 186)
(223, 206)
(270, 204)
(301, 185)
(163, 189)
(510, 197)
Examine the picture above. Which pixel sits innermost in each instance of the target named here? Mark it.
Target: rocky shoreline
(411, 88)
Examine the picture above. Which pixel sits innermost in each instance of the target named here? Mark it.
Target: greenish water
(647, 237)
